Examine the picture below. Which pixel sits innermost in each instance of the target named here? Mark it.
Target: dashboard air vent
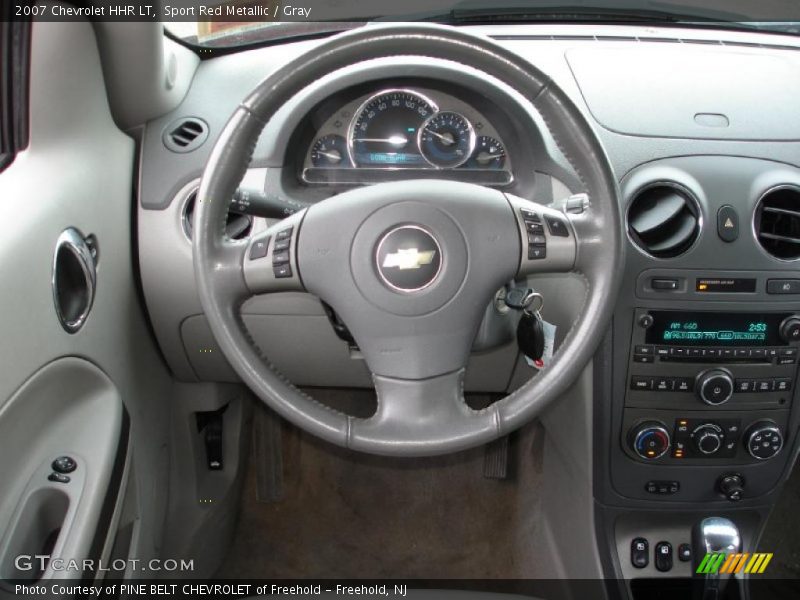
(237, 227)
(185, 134)
(663, 220)
(777, 222)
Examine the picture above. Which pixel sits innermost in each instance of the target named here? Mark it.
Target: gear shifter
(709, 536)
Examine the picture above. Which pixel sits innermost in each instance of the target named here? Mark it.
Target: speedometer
(385, 129)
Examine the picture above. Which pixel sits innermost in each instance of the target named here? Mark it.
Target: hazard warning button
(728, 223)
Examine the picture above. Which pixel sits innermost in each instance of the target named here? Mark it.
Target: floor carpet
(349, 515)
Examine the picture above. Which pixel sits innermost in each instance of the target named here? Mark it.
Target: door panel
(77, 172)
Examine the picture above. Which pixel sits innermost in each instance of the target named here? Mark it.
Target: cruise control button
(279, 258)
(536, 228)
(640, 551)
(529, 215)
(285, 234)
(557, 227)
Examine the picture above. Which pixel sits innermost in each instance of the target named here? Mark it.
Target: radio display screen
(677, 328)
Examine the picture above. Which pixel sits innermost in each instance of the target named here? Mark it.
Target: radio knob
(708, 438)
(764, 440)
(714, 386)
(650, 440)
(790, 329)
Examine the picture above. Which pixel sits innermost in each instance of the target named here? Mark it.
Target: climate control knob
(650, 440)
(714, 386)
(708, 438)
(764, 440)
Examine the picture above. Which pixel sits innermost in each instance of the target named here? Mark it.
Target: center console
(700, 383)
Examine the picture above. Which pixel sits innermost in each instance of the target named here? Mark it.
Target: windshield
(225, 23)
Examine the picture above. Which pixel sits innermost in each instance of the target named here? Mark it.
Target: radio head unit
(673, 328)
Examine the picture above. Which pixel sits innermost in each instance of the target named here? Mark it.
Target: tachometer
(384, 130)
(329, 151)
(446, 140)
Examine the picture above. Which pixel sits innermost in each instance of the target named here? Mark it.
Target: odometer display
(385, 130)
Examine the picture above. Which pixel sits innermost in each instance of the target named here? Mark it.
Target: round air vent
(237, 227)
(185, 134)
(663, 220)
(777, 222)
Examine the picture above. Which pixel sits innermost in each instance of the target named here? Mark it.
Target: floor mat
(349, 515)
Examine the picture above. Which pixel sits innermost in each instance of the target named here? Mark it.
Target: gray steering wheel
(409, 266)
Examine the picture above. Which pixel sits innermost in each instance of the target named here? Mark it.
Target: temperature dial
(329, 151)
(650, 440)
(764, 440)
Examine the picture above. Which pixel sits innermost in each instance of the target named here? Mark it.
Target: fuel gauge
(488, 154)
(329, 151)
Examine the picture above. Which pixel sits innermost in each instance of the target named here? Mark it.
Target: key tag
(530, 329)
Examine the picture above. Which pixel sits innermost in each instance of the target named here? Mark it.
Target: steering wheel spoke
(549, 243)
(270, 261)
(422, 417)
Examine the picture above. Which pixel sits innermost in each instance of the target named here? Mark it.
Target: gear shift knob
(709, 536)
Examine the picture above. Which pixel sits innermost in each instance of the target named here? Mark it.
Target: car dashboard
(698, 368)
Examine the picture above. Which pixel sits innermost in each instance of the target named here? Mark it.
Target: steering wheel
(409, 266)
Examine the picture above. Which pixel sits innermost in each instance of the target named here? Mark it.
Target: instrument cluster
(407, 132)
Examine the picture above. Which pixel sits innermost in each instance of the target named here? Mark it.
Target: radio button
(641, 383)
(683, 384)
(664, 384)
(758, 353)
(787, 352)
(694, 352)
(763, 385)
(713, 352)
(744, 386)
(726, 353)
(679, 352)
(742, 353)
(782, 384)
(714, 386)
(662, 351)
(785, 360)
(643, 359)
(643, 350)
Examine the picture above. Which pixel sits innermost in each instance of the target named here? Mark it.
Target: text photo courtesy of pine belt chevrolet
(478, 299)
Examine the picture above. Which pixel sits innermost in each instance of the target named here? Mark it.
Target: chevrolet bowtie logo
(410, 258)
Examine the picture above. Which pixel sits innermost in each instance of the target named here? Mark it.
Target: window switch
(640, 553)
(663, 556)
